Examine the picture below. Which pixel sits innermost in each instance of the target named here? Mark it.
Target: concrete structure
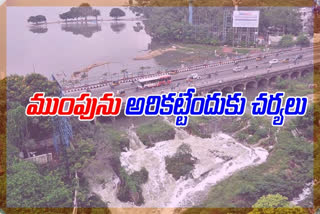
(236, 36)
(40, 159)
(274, 40)
(306, 17)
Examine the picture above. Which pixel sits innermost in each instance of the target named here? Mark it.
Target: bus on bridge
(154, 81)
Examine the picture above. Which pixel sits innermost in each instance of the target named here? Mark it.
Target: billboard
(243, 18)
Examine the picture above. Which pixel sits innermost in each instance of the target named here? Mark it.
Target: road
(214, 74)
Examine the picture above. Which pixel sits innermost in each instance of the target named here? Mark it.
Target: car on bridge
(121, 92)
(239, 68)
(298, 57)
(173, 72)
(115, 83)
(273, 61)
(285, 60)
(259, 58)
(193, 76)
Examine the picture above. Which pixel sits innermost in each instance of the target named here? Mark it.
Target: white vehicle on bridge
(239, 68)
(154, 82)
(274, 61)
(194, 76)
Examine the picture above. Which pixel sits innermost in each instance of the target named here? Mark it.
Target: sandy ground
(155, 53)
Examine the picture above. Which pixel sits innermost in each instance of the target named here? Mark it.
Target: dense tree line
(32, 185)
(170, 24)
(226, 3)
(116, 13)
(288, 41)
(83, 11)
(286, 18)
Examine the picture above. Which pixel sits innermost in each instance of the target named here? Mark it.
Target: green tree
(96, 13)
(303, 41)
(37, 19)
(116, 13)
(20, 89)
(285, 18)
(64, 17)
(75, 12)
(286, 41)
(275, 204)
(181, 163)
(85, 11)
(17, 127)
(29, 188)
(41, 18)
(272, 201)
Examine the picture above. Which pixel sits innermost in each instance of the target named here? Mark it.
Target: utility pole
(190, 12)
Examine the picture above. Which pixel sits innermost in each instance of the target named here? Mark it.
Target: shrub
(181, 163)
(262, 133)
(303, 41)
(286, 41)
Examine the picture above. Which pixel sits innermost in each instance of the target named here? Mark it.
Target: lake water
(61, 48)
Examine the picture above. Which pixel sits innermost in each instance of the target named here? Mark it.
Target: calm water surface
(58, 48)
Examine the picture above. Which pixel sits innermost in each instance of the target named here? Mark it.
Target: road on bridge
(214, 75)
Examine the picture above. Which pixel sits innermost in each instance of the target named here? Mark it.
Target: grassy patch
(200, 126)
(241, 50)
(154, 132)
(258, 129)
(295, 87)
(232, 125)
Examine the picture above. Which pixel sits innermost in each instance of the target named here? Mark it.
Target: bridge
(217, 76)
(256, 81)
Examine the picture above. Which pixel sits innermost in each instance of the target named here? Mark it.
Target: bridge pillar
(295, 75)
(239, 87)
(299, 74)
(285, 76)
(227, 89)
(251, 84)
(273, 80)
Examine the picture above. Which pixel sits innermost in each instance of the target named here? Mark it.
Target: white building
(274, 40)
